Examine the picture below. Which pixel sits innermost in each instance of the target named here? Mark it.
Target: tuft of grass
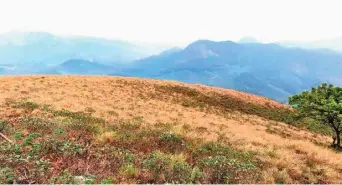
(106, 137)
(78, 116)
(36, 124)
(26, 105)
(129, 170)
(89, 110)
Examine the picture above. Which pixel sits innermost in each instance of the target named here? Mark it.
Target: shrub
(90, 179)
(129, 170)
(27, 105)
(65, 147)
(82, 128)
(214, 148)
(157, 163)
(196, 175)
(7, 175)
(169, 137)
(179, 172)
(220, 169)
(108, 180)
(173, 168)
(133, 124)
(170, 141)
(36, 124)
(90, 110)
(5, 127)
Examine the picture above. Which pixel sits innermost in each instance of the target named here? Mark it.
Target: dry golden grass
(289, 153)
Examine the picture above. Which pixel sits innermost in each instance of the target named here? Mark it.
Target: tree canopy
(324, 104)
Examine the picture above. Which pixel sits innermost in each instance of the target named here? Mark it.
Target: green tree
(324, 104)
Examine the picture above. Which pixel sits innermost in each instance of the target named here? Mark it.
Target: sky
(177, 21)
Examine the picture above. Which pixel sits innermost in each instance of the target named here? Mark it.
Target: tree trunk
(338, 139)
(334, 141)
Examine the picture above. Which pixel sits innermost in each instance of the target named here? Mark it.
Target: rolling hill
(102, 129)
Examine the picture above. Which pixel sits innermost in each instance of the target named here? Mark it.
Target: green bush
(129, 170)
(36, 124)
(108, 180)
(196, 175)
(6, 127)
(169, 167)
(157, 163)
(214, 148)
(222, 170)
(170, 137)
(7, 175)
(179, 173)
(170, 141)
(64, 147)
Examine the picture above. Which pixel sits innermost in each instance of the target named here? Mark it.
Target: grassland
(72, 129)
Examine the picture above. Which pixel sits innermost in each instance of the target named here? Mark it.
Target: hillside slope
(244, 122)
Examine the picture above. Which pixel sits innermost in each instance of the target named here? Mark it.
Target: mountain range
(264, 69)
(272, 70)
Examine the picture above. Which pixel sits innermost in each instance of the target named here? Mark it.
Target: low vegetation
(60, 146)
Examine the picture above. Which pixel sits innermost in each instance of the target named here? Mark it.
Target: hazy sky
(176, 21)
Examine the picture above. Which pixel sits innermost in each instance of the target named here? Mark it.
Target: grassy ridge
(190, 97)
(223, 104)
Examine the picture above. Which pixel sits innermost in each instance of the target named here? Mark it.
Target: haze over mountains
(31, 52)
(333, 44)
(271, 70)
